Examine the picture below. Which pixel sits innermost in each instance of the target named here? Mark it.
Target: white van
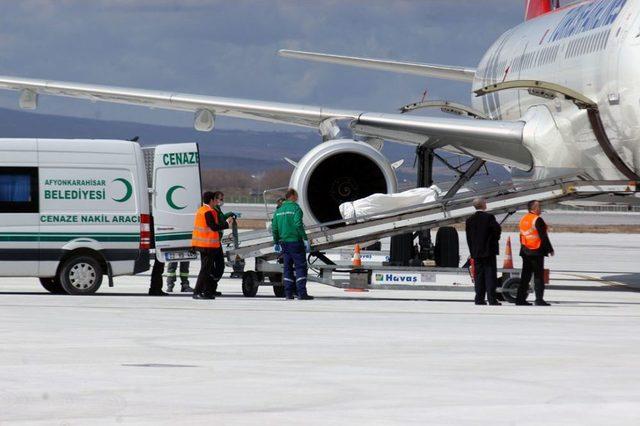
(72, 211)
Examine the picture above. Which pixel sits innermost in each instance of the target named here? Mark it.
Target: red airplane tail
(535, 8)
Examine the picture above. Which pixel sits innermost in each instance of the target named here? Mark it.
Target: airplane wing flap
(301, 115)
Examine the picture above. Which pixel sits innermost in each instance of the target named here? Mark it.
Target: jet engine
(336, 172)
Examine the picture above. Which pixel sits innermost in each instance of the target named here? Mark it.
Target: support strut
(477, 164)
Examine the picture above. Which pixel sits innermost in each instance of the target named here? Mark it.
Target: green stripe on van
(174, 236)
(68, 236)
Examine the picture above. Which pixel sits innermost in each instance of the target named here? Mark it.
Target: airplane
(558, 94)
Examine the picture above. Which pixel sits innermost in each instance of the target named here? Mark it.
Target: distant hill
(251, 151)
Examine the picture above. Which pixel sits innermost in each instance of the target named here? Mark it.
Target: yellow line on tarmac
(610, 283)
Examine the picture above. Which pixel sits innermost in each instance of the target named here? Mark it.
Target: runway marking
(161, 365)
(610, 283)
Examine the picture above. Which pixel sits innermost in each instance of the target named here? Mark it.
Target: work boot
(198, 296)
(157, 293)
(495, 303)
(542, 303)
(170, 285)
(215, 290)
(525, 303)
(306, 297)
(186, 289)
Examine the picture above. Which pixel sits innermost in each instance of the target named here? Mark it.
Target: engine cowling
(338, 171)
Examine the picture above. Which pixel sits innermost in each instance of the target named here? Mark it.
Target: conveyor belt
(440, 213)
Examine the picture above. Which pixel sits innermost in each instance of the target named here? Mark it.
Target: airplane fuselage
(592, 47)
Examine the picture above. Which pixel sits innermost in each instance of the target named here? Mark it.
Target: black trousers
(531, 265)
(156, 277)
(211, 270)
(184, 273)
(486, 278)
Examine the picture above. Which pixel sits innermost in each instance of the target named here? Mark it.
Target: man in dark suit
(483, 235)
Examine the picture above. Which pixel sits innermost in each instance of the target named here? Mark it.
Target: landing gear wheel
(447, 250)
(510, 289)
(278, 290)
(81, 275)
(52, 285)
(250, 284)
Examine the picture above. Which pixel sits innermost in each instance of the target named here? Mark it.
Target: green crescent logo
(128, 192)
(170, 197)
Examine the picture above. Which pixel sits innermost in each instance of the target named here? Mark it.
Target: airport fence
(603, 209)
(244, 199)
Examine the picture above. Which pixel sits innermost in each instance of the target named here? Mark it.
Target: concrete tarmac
(377, 358)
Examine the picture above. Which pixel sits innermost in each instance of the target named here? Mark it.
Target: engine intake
(336, 172)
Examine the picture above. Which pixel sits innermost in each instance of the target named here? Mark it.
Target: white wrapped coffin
(378, 204)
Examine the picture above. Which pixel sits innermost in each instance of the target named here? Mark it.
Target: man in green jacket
(219, 196)
(291, 239)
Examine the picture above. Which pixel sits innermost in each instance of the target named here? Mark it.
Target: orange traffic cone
(508, 257)
(356, 261)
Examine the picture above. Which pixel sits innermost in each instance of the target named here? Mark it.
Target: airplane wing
(445, 72)
(497, 141)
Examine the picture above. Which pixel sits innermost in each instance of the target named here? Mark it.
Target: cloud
(228, 48)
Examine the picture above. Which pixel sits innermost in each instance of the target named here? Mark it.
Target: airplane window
(601, 39)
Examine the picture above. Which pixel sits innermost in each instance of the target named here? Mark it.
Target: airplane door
(175, 198)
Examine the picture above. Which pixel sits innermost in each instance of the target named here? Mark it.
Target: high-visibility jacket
(529, 235)
(203, 236)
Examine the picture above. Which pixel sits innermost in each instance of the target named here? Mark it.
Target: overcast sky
(228, 48)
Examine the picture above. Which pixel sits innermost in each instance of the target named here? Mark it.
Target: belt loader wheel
(499, 295)
(52, 285)
(250, 284)
(510, 289)
(278, 290)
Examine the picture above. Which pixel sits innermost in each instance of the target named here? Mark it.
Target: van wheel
(447, 250)
(81, 275)
(52, 285)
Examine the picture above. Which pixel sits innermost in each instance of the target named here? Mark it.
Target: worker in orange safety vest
(534, 247)
(206, 239)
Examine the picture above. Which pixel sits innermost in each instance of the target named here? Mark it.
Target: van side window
(19, 190)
